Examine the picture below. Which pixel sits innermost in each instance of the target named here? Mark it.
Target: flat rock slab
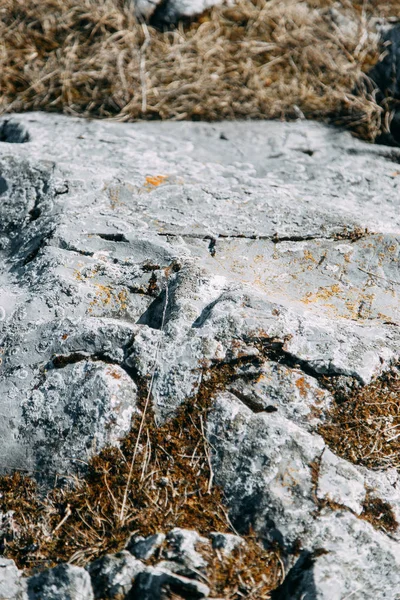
(158, 250)
(252, 230)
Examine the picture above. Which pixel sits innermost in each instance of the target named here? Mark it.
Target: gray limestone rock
(226, 542)
(169, 12)
(12, 585)
(275, 474)
(290, 391)
(152, 583)
(264, 462)
(113, 575)
(65, 582)
(184, 553)
(156, 251)
(351, 560)
(101, 401)
(144, 548)
(340, 482)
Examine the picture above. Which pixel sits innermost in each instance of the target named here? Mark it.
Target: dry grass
(170, 486)
(379, 513)
(260, 59)
(365, 428)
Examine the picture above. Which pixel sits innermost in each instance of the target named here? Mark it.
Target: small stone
(64, 582)
(144, 548)
(113, 575)
(151, 584)
(183, 548)
(226, 542)
(341, 482)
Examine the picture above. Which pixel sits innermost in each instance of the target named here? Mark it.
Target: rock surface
(121, 576)
(164, 249)
(169, 12)
(12, 584)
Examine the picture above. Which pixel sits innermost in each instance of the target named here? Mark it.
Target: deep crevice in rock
(349, 235)
(42, 243)
(112, 237)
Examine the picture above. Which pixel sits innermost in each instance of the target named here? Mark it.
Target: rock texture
(180, 569)
(163, 249)
(169, 12)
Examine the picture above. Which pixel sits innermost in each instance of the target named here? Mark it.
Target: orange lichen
(155, 180)
(303, 386)
(308, 256)
(113, 373)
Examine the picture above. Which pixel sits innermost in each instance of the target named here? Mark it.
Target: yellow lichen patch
(107, 297)
(155, 180)
(347, 257)
(323, 293)
(308, 256)
(87, 273)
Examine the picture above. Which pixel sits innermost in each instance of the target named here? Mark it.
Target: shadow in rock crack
(299, 582)
(153, 316)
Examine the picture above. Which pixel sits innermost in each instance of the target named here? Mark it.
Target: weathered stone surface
(274, 474)
(351, 559)
(226, 542)
(290, 391)
(340, 482)
(171, 11)
(265, 465)
(12, 585)
(113, 575)
(159, 250)
(101, 401)
(65, 582)
(144, 548)
(151, 583)
(182, 555)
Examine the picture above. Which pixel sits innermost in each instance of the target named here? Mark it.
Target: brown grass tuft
(379, 513)
(365, 428)
(259, 59)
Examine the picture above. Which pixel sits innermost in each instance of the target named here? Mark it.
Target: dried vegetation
(259, 59)
(168, 484)
(365, 427)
